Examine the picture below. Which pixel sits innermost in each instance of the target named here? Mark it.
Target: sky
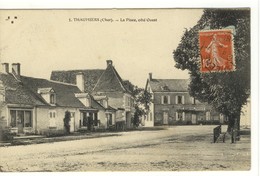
(47, 40)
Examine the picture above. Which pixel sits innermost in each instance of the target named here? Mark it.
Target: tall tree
(227, 92)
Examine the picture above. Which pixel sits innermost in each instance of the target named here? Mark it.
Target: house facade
(107, 87)
(38, 106)
(172, 105)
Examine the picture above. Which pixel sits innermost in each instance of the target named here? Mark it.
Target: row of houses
(96, 99)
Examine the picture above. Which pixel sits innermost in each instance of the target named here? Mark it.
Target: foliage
(225, 91)
(66, 121)
(142, 100)
(6, 134)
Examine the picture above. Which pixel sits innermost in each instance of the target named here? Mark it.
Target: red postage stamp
(216, 50)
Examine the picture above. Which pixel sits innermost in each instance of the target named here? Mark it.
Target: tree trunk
(234, 126)
(231, 122)
(238, 126)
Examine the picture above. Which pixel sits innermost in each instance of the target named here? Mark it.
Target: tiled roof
(110, 81)
(169, 85)
(25, 91)
(110, 108)
(101, 80)
(96, 105)
(16, 93)
(128, 85)
(91, 77)
(65, 93)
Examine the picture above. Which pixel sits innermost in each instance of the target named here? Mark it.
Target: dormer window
(165, 87)
(48, 94)
(52, 99)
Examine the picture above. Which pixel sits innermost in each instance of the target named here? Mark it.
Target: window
(179, 99)
(95, 123)
(52, 114)
(20, 118)
(27, 119)
(165, 99)
(110, 119)
(179, 116)
(13, 118)
(193, 101)
(23, 118)
(52, 119)
(52, 99)
(128, 101)
(207, 115)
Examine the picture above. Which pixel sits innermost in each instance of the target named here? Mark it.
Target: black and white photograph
(112, 90)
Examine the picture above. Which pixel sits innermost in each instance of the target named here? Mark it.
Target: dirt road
(182, 148)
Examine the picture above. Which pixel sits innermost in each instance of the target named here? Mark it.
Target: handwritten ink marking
(10, 18)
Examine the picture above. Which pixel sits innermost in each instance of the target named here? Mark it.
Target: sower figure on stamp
(212, 49)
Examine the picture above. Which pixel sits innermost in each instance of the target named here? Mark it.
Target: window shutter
(183, 116)
(176, 114)
(162, 99)
(182, 99)
(169, 99)
(176, 99)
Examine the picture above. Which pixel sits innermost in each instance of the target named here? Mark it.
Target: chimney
(16, 69)
(109, 62)
(5, 67)
(80, 81)
(150, 76)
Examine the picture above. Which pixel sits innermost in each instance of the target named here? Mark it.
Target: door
(72, 124)
(20, 121)
(165, 118)
(193, 119)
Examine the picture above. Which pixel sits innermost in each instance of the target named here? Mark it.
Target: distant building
(245, 116)
(105, 86)
(173, 105)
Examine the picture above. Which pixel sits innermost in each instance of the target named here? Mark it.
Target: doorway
(165, 118)
(193, 119)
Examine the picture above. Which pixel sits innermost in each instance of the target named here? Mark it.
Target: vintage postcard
(125, 90)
